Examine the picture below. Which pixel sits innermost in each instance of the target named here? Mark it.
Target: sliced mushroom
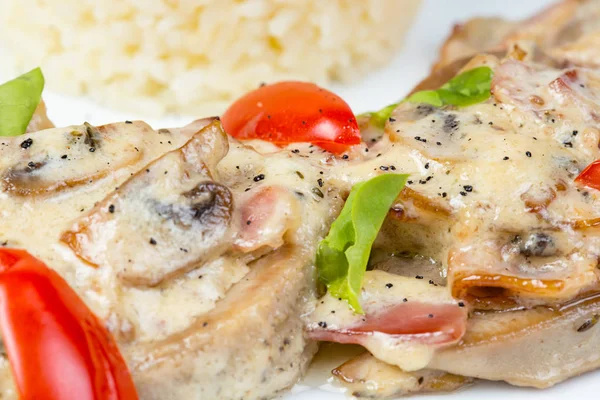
(405, 321)
(165, 220)
(528, 269)
(538, 347)
(50, 161)
(447, 135)
(367, 377)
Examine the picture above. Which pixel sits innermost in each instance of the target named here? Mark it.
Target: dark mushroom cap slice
(168, 218)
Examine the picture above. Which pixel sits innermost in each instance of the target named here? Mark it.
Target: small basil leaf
(378, 118)
(18, 100)
(470, 87)
(426, 96)
(343, 255)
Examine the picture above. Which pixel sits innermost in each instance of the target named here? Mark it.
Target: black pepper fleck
(111, 208)
(25, 144)
(389, 285)
(419, 277)
(322, 324)
(505, 158)
(259, 177)
(152, 242)
(528, 153)
(468, 188)
(64, 156)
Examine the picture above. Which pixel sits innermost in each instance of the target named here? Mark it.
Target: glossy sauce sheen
(52, 183)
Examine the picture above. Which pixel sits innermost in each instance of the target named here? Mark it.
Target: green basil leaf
(378, 118)
(470, 87)
(343, 255)
(18, 100)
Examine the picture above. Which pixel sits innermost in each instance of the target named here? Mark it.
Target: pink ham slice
(405, 321)
(420, 322)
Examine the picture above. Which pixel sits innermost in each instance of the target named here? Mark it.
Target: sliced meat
(257, 325)
(367, 377)
(538, 347)
(405, 321)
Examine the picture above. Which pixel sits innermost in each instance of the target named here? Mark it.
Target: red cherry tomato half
(291, 112)
(58, 349)
(590, 176)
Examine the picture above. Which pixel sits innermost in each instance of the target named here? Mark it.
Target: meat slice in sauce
(166, 219)
(538, 347)
(405, 321)
(367, 377)
(254, 335)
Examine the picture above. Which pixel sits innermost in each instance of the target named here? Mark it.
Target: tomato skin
(590, 176)
(58, 349)
(291, 112)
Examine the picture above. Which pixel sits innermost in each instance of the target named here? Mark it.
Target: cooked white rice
(195, 56)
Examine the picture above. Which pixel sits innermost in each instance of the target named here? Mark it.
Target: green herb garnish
(18, 100)
(470, 87)
(343, 255)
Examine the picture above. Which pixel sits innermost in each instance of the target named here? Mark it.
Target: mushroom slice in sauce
(367, 377)
(165, 220)
(528, 269)
(45, 162)
(538, 347)
(265, 218)
(403, 333)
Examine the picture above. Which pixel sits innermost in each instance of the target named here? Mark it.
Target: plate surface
(381, 88)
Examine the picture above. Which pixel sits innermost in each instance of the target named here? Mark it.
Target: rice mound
(196, 56)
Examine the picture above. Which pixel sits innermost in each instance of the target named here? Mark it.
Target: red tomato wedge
(292, 112)
(434, 324)
(590, 176)
(58, 349)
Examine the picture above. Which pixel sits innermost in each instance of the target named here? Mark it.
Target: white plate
(381, 88)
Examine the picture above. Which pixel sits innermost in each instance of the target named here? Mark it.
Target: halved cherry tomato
(57, 348)
(291, 112)
(590, 176)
